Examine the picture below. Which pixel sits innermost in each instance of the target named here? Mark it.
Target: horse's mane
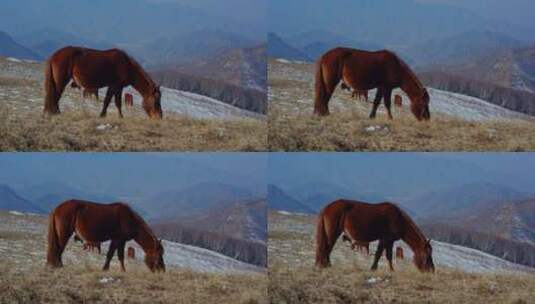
(409, 71)
(140, 69)
(142, 222)
(411, 223)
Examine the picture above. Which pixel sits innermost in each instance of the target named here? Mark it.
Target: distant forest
(242, 250)
(516, 100)
(513, 251)
(243, 98)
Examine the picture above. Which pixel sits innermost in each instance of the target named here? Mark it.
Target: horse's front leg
(109, 255)
(376, 102)
(120, 253)
(378, 254)
(118, 101)
(389, 246)
(106, 103)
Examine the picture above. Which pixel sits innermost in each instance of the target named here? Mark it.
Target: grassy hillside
(78, 128)
(294, 279)
(292, 126)
(24, 278)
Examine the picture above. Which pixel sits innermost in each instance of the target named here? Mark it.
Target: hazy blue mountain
(47, 40)
(461, 47)
(316, 42)
(10, 200)
(48, 195)
(458, 200)
(194, 45)
(278, 48)
(279, 200)
(194, 200)
(10, 48)
(317, 194)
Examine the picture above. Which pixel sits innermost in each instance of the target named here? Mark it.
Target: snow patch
(16, 213)
(12, 59)
(373, 280)
(284, 212)
(103, 127)
(106, 280)
(376, 128)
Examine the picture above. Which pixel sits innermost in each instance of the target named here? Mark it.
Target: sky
(133, 174)
(518, 11)
(253, 11)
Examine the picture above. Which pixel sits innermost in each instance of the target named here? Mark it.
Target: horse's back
(383, 55)
(383, 209)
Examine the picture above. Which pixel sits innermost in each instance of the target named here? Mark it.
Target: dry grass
(293, 128)
(77, 131)
(81, 284)
(340, 284)
(348, 132)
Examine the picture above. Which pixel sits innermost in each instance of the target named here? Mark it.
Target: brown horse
(398, 101)
(131, 253)
(96, 223)
(128, 99)
(399, 253)
(93, 69)
(363, 70)
(365, 223)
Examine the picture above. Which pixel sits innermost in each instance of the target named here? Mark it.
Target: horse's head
(152, 104)
(420, 106)
(154, 258)
(423, 258)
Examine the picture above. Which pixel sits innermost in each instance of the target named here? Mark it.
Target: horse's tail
(323, 245)
(51, 93)
(321, 97)
(53, 255)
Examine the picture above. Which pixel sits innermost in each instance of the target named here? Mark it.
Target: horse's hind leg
(388, 101)
(376, 102)
(118, 102)
(378, 254)
(109, 255)
(120, 254)
(106, 103)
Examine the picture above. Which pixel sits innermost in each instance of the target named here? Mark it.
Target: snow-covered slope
(194, 105)
(469, 108)
(200, 259)
(467, 259)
